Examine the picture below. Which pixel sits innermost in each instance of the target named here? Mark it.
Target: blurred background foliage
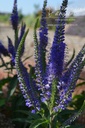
(31, 18)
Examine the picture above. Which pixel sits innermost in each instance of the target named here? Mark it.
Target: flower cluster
(51, 83)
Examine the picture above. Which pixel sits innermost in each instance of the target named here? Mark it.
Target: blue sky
(27, 6)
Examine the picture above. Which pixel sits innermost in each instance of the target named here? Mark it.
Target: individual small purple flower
(47, 86)
(43, 99)
(33, 111)
(14, 16)
(28, 103)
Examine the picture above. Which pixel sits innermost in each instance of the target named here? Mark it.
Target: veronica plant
(50, 85)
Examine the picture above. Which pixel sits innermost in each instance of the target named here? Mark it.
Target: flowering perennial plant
(50, 84)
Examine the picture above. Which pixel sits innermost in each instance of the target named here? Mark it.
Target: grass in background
(4, 18)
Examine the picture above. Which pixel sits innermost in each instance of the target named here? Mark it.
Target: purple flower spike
(14, 17)
(11, 50)
(43, 39)
(3, 50)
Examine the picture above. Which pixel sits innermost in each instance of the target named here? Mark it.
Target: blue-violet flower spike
(3, 50)
(14, 16)
(11, 50)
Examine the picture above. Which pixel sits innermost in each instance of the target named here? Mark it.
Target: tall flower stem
(50, 125)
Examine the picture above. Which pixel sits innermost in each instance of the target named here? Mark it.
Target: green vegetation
(29, 20)
(4, 18)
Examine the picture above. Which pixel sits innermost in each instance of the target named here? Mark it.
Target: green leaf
(74, 117)
(23, 120)
(72, 57)
(19, 50)
(80, 84)
(66, 112)
(77, 97)
(59, 117)
(4, 81)
(44, 110)
(38, 122)
(31, 115)
(27, 58)
(12, 86)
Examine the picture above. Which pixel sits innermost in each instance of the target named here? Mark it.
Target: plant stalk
(50, 121)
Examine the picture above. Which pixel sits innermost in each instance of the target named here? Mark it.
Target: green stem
(50, 120)
(52, 101)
